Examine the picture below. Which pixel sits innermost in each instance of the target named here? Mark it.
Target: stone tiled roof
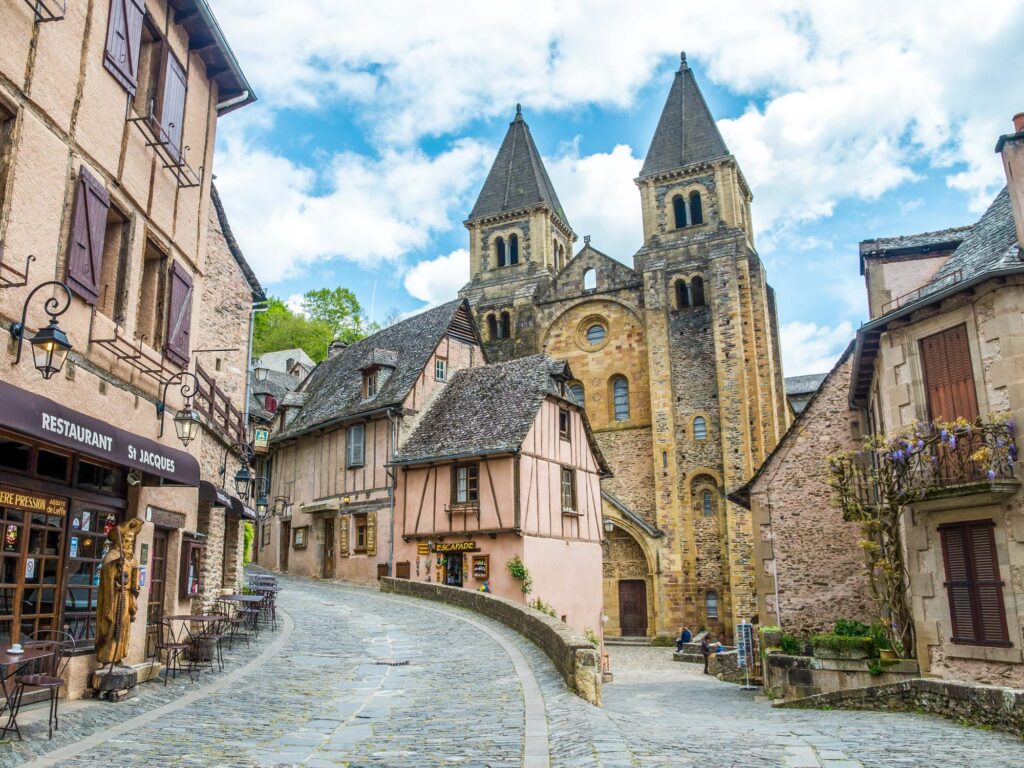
(334, 390)
(276, 384)
(488, 410)
(882, 245)
(686, 131)
(278, 361)
(802, 385)
(518, 178)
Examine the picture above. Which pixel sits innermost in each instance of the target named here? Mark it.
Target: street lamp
(262, 506)
(242, 479)
(186, 424)
(260, 373)
(609, 526)
(186, 421)
(50, 345)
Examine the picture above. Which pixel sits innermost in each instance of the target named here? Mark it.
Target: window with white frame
(356, 446)
(440, 369)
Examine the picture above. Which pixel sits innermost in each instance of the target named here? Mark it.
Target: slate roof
(334, 390)
(686, 131)
(804, 385)
(518, 178)
(884, 245)
(488, 410)
(278, 361)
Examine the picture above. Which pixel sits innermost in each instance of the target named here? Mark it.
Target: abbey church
(676, 360)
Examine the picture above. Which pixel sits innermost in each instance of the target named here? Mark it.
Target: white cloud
(812, 348)
(436, 281)
(296, 303)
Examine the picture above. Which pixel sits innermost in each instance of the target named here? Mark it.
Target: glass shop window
(14, 454)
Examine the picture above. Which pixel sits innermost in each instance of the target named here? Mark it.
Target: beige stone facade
(84, 191)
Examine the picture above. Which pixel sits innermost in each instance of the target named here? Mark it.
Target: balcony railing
(211, 401)
(930, 461)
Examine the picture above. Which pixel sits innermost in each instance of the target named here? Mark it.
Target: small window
(361, 525)
(492, 327)
(697, 289)
(696, 211)
(440, 369)
(505, 326)
(590, 279)
(513, 249)
(577, 393)
(682, 295)
(620, 398)
(114, 267)
(370, 384)
(53, 466)
(711, 601)
(499, 247)
(707, 504)
(153, 288)
(568, 490)
(270, 403)
(564, 424)
(356, 445)
(99, 478)
(700, 428)
(596, 333)
(15, 455)
(679, 211)
(466, 484)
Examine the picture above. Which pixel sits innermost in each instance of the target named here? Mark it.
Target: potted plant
(882, 644)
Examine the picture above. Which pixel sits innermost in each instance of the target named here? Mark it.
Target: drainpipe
(228, 103)
(392, 479)
(257, 306)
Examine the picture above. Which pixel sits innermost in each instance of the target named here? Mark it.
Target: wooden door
(329, 544)
(633, 608)
(286, 543)
(157, 588)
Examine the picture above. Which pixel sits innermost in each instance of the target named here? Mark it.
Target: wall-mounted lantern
(50, 345)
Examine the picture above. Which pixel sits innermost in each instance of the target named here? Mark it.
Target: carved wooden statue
(119, 594)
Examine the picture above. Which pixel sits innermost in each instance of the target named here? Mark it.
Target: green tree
(280, 328)
(339, 309)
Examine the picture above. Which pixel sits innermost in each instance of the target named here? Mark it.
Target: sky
(375, 126)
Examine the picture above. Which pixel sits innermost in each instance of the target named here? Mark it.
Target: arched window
(711, 602)
(700, 428)
(589, 279)
(620, 398)
(561, 256)
(682, 296)
(513, 249)
(576, 390)
(697, 289)
(707, 503)
(696, 212)
(499, 245)
(492, 327)
(679, 209)
(596, 334)
(505, 329)
(554, 254)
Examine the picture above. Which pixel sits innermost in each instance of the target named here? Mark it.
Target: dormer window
(370, 384)
(440, 369)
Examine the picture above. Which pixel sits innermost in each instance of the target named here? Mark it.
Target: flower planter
(841, 647)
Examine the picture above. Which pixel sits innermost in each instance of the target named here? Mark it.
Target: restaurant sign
(456, 546)
(52, 422)
(32, 502)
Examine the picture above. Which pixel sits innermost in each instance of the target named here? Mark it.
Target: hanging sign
(261, 440)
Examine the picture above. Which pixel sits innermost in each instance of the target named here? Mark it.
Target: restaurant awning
(242, 511)
(51, 422)
(211, 494)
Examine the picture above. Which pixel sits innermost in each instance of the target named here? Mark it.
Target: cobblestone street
(322, 691)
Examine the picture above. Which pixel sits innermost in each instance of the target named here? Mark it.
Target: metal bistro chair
(173, 649)
(268, 608)
(234, 624)
(45, 673)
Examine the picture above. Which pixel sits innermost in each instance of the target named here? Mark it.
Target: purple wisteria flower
(991, 474)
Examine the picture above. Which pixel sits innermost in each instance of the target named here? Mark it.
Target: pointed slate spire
(518, 178)
(686, 132)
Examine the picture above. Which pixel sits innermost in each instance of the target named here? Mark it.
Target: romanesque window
(554, 254)
(696, 210)
(711, 603)
(513, 249)
(707, 504)
(466, 484)
(505, 326)
(620, 398)
(682, 295)
(499, 247)
(492, 327)
(596, 333)
(590, 280)
(679, 211)
(577, 392)
(697, 291)
(700, 428)
(561, 256)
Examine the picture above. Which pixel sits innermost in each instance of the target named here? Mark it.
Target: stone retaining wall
(574, 656)
(971, 703)
(798, 677)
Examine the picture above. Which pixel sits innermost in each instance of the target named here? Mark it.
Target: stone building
(810, 568)
(100, 191)
(676, 358)
(945, 342)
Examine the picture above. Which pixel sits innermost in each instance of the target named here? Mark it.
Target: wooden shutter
(343, 524)
(88, 229)
(371, 533)
(973, 585)
(179, 316)
(124, 39)
(172, 103)
(949, 375)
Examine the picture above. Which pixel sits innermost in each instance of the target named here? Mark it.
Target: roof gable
(518, 178)
(611, 275)
(686, 132)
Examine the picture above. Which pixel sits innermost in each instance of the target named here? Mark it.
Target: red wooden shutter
(179, 315)
(124, 38)
(958, 583)
(88, 229)
(949, 375)
(172, 103)
(988, 587)
(973, 584)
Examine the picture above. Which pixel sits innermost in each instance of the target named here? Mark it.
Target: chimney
(335, 348)
(1011, 147)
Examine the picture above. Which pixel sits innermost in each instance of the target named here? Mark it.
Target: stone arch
(625, 557)
(683, 193)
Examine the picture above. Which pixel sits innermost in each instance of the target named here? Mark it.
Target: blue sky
(376, 127)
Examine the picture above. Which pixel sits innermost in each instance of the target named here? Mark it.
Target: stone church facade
(676, 359)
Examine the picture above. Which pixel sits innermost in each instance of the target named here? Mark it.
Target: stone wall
(575, 657)
(797, 677)
(970, 703)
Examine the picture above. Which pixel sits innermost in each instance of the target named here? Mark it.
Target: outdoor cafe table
(242, 598)
(194, 618)
(16, 661)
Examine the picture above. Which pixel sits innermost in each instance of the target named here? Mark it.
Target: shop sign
(48, 420)
(261, 440)
(457, 546)
(32, 502)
